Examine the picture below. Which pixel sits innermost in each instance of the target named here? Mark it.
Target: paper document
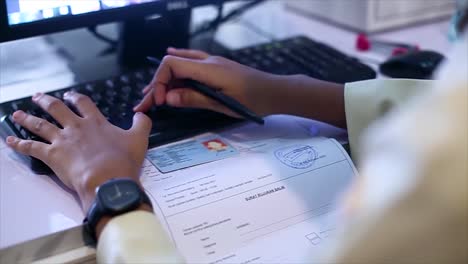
(271, 203)
(51, 209)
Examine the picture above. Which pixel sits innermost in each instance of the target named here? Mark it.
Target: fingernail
(37, 96)
(173, 98)
(10, 140)
(18, 115)
(171, 49)
(66, 94)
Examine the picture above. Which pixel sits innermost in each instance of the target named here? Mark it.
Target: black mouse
(413, 65)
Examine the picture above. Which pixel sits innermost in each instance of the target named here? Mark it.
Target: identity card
(191, 153)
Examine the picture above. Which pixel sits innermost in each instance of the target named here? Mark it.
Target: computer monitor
(27, 18)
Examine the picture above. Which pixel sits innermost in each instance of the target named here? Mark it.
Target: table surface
(33, 206)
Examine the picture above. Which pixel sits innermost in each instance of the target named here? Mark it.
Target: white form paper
(50, 209)
(271, 203)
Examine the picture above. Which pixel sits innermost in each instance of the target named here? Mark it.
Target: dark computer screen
(27, 18)
(27, 11)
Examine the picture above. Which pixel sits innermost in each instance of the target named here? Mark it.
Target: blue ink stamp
(297, 156)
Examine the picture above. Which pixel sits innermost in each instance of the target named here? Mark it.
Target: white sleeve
(136, 237)
(366, 101)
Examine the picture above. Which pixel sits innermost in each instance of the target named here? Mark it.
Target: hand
(88, 150)
(263, 93)
(247, 85)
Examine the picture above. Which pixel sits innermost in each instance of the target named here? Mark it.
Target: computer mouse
(413, 65)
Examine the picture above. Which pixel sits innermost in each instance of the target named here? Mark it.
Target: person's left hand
(88, 150)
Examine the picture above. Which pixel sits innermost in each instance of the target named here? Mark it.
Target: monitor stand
(151, 36)
(136, 40)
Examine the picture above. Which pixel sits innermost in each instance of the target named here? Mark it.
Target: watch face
(119, 195)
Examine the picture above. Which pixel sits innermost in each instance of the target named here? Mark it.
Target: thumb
(141, 125)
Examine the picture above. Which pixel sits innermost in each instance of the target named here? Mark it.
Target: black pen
(219, 97)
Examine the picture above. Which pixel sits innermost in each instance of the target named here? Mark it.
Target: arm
(353, 106)
(262, 92)
(300, 95)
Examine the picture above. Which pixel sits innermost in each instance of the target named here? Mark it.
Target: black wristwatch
(114, 197)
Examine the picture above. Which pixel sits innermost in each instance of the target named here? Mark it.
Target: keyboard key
(125, 79)
(96, 97)
(110, 84)
(105, 111)
(126, 89)
(151, 71)
(24, 133)
(111, 93)
(90, 87)
(18, 105)
(58, 95)
(140, 75)
(140, 86)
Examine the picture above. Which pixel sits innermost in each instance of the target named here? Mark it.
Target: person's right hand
(248, 86)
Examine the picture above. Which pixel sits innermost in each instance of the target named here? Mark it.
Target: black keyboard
(116, 96)
(301, 55)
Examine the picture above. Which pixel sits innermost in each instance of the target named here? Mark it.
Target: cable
(220, 19)
(239, 11)
(208, 26)
(93, 30)
(112, 43)
(220, 14)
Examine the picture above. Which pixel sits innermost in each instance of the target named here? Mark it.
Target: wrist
(268, 91)
(304, 96)
(114, 198)
(86, 189)
(275, 94)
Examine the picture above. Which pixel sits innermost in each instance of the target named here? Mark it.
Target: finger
(186, 97)
(33, 148)
(146, 103)
(83, 104)
(56, 108)
(173, 68)
(36, 125)
(189, 54)
(147, 89)
(141, 125)
(176, 68)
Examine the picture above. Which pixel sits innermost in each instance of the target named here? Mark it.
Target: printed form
(271, 203)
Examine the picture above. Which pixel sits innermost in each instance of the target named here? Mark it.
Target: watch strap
(96, 212)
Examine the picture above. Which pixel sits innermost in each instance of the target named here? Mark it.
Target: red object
(399, 51)
(403, 50)
(362, 43)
